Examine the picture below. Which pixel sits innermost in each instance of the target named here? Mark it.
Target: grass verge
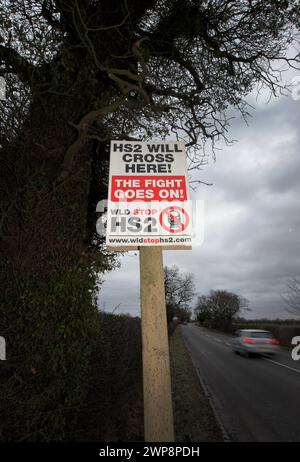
(193, 417)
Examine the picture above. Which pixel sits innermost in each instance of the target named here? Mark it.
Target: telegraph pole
(158, 412)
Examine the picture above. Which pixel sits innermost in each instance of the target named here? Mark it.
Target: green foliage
(113, 408)
(50, 337)
(48, 313)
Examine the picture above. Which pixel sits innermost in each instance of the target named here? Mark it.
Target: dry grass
(193, 416)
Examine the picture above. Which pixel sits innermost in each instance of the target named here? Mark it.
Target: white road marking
(282, 365)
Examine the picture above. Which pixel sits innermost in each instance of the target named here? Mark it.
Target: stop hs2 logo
(170, 219)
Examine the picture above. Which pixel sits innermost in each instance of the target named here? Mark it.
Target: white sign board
(148, 201)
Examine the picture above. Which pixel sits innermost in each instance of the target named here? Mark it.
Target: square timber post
(158, 412)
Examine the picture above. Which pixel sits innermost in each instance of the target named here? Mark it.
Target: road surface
(256, 399)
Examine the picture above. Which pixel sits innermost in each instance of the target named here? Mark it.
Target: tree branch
(17, 64)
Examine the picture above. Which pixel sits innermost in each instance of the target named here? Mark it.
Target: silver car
(255, 342)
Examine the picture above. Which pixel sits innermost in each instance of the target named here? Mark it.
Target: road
(256, 399)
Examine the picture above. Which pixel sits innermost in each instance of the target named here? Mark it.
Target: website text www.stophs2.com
(149, 240)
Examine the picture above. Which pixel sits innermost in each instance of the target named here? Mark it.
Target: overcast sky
(251, 219)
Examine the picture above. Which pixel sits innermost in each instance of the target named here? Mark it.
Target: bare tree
(180, 290)
(147, 67)
(292, 299)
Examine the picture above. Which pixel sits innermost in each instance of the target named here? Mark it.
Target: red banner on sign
(148, 188)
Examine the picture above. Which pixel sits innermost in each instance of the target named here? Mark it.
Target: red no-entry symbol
(174, 219)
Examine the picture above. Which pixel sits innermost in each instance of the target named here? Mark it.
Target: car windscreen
(259, 334)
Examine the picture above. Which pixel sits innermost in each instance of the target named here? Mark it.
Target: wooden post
(158, 413)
